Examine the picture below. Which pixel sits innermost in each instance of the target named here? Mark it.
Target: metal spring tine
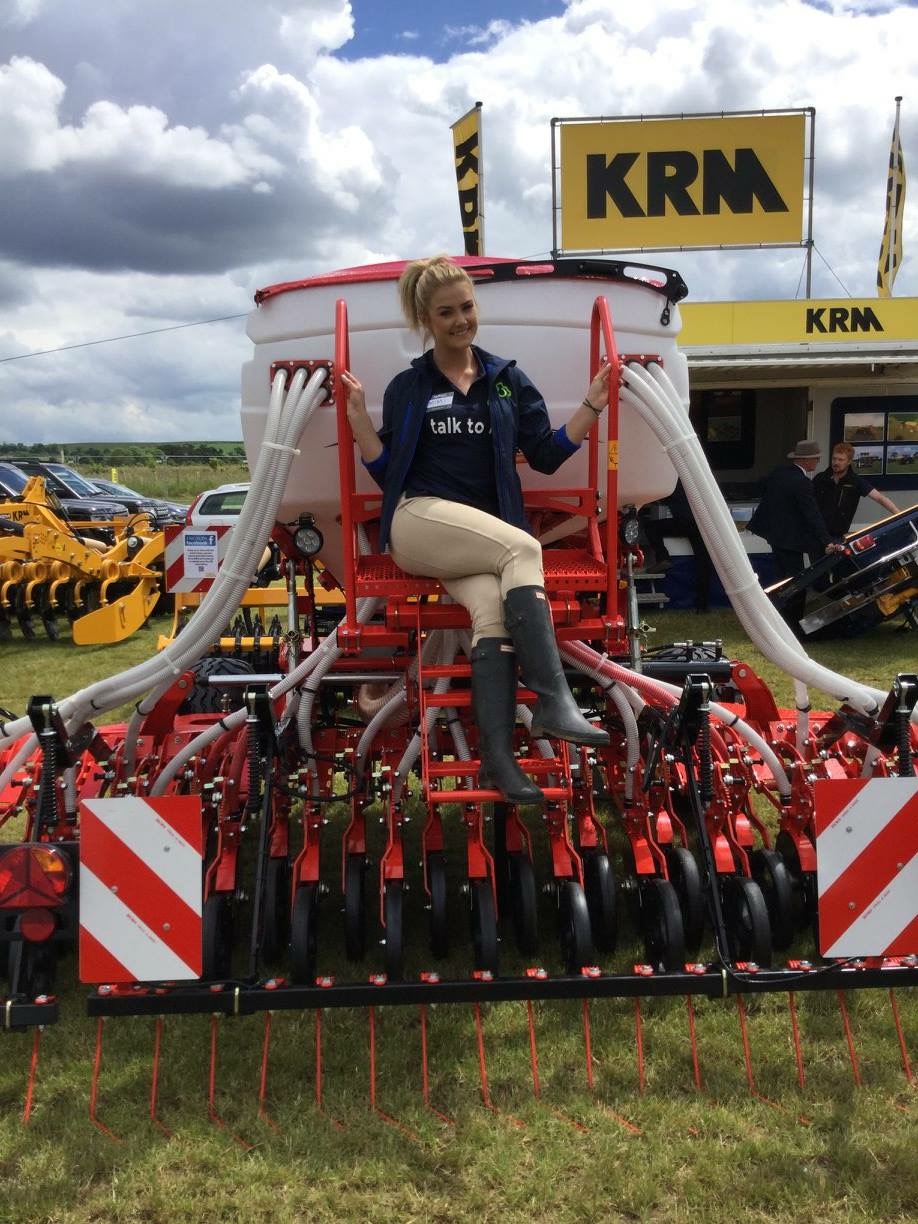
(639, 1043)
(483, 1068)
(33, 1070)
(212, 1087)
(903, 1050)
(374, 1105)
(693, 1040)
(154, 1078)
(263, 1078)
(849, 1037)
(94, 1085)
(795, 1030)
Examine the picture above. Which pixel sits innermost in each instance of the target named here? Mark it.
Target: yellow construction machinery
(105, 578)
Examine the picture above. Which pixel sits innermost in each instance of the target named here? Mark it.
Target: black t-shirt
(839, 501)
(455, 456)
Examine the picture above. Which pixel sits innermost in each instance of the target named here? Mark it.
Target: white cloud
(239, 152)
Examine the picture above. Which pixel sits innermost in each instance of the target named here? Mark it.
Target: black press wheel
(439, 920)
(206, 698)
(602, 899)
(574, 927)
(483, 917)
(355, 910)
(393, 896)
(746, 920)
(31, 968)
(524, 902)
(803, 883)
(304, 920)
(686, 880)
(661, 923)
(217, 926)
(275, 910)
(773, 878)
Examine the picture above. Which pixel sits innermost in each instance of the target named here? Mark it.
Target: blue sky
(435, 29)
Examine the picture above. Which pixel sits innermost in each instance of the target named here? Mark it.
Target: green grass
(175, 482)
(832, 1151)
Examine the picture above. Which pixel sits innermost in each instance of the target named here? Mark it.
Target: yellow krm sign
(635, 184)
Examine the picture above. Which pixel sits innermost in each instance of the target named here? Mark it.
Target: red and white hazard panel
(867, 866)
(193, 556)
(140, 889)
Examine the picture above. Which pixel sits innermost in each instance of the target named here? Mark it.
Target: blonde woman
(452, 506)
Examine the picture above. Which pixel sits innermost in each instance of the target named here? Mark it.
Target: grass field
(831, 1151)
(174, 482)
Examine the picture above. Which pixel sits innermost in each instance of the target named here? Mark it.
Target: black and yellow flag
(891, 246)
(469, 178)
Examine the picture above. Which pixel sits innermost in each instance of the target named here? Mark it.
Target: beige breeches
(478, 558)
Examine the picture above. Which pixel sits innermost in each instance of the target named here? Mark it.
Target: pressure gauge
(307, 537)
(631, 531)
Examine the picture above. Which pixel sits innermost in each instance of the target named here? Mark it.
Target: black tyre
(439, 920)
(204, 698)
(31, 968)
(355, 910)
(661, 924)
(217, 937)
(275, 912)
(393, 898)
(773, 878)
(746, 919)
(574, 927)
(483, 918)
(686, 880)
(602, 899)
(304, 919)
(803, 883)
(524, 903)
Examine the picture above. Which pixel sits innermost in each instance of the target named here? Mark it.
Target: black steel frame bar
(713, 982)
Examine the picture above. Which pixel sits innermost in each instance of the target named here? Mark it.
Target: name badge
(437, 403)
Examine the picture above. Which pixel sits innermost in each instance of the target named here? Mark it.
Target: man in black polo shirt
(839, 489)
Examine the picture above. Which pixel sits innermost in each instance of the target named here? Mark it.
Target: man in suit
(788, 518)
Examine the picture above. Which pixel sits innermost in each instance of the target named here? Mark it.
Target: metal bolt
(852, 905)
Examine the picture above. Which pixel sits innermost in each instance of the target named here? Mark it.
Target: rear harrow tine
(849, 1037)
(154, 1079)
(693, 1041)
(483, 1070)
(903, 1049)
(639, 1043)
(212, 1113)
(263, 1077)
(588, 1045)
(533, 1052)
(747, 1056)
(795, 1030)
(33, 1070)
(94, 1085)
(374, 1105)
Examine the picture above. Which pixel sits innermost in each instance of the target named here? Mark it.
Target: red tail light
(36, 925)
(32, 875)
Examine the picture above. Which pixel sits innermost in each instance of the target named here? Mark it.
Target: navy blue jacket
(519, 421)
(788, 515)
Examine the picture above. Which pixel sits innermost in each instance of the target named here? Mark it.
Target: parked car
(75, 509)
(160, 510)
(68, 486)
(218, 507)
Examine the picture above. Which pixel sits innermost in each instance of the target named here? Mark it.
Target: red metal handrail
(346, 471)
(601, 328)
